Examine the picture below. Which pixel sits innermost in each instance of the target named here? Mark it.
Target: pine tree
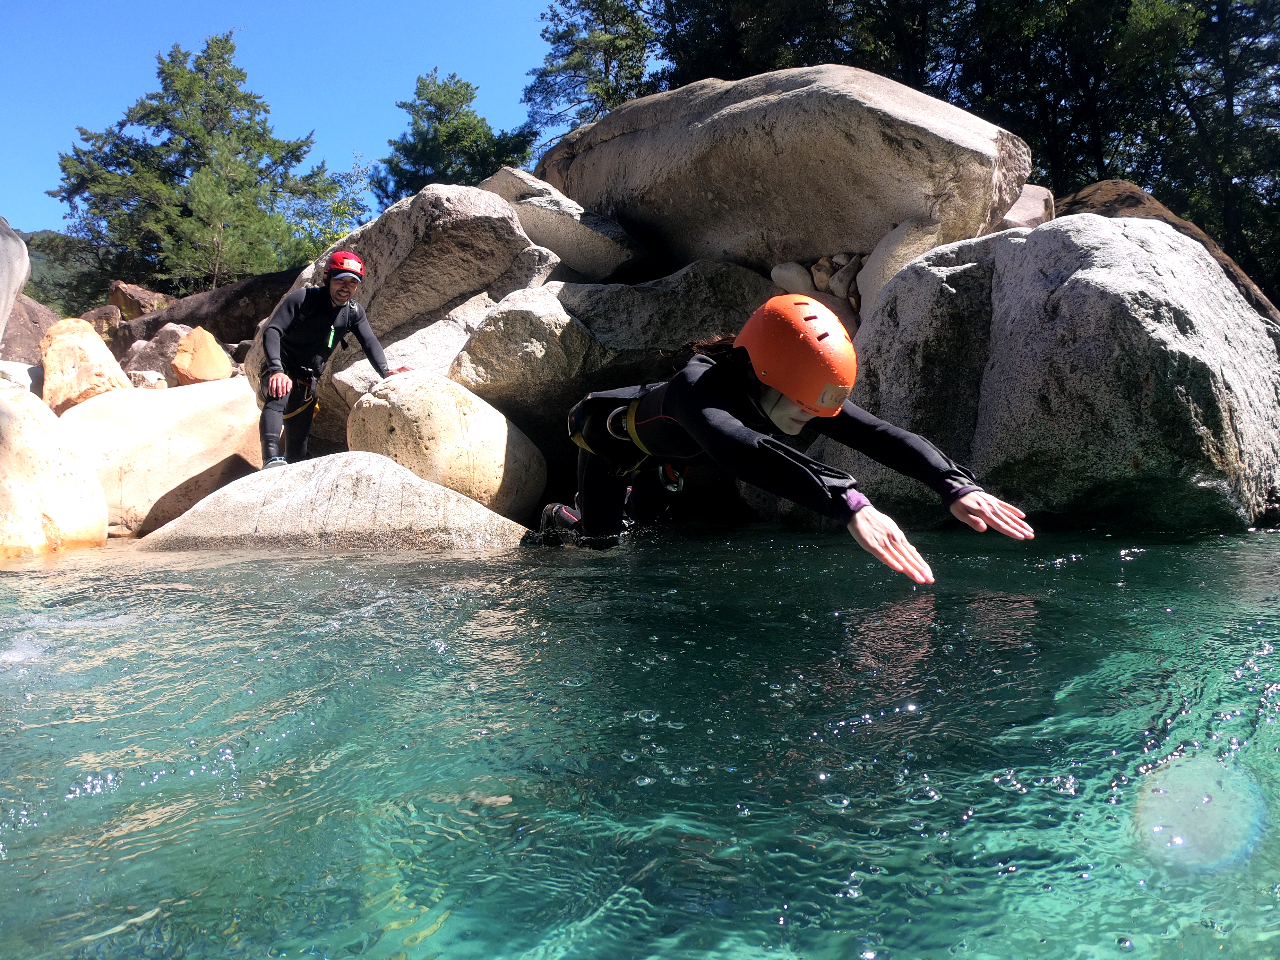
(447, 142)
(128, 186)
(599, 57)
(230, 231)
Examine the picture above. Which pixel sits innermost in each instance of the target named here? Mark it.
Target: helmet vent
(824, 335)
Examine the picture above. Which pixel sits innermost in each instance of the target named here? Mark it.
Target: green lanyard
(331, 333)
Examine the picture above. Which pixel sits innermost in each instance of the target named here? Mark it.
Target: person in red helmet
(790, 369)
(302, 333)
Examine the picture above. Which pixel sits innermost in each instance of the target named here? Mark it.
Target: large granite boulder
(50, 498)
(77, 365)
(15, 270)
(158, 353)
(594, 247)
(425, 256)
(158, 452)
(429, 345)
(539, 351)
(427, 250)
(29, 321)
(1093, 371)
(349, 501)
(230, 313)
(449, 436)
(1119, 198)
(133, 301)
(200, 358)
(792, 165)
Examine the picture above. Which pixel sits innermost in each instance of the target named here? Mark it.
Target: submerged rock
(349, 501)
(50, 498)
(788, 165)
(447, 435)
(158, 452)
(1094, 370)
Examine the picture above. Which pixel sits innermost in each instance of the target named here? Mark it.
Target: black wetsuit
(304, 330)
(707, 410)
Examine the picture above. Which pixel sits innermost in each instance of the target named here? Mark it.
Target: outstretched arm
(372, 348)
(908, 453)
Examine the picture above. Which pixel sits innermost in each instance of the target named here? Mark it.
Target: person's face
(785, 414)
(342, 290)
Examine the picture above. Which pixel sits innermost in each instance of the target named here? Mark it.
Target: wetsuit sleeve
(755, 457)
(372, 348)
(901, 450)
(278, 324)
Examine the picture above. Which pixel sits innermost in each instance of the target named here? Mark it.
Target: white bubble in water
(839, 801)
(648, 716)
(1199, 811)
(643, 781)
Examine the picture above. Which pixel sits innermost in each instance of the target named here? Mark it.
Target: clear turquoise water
(691, 746)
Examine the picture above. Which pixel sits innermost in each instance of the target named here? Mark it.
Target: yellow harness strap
(631, 427)
(311, 402)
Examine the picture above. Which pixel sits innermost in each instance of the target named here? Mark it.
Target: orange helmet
(802, 350)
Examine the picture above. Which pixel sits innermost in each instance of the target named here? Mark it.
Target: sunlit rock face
(1199, 812)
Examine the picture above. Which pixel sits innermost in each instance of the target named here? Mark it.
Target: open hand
(981, 510)
(279, 385)
(879, 536)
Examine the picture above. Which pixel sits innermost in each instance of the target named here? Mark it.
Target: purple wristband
(955, 495)
(855, 500)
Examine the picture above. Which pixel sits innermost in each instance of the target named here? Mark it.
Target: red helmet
(344, 261)
(802, 350)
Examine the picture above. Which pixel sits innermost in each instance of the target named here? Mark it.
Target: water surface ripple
(690, 746)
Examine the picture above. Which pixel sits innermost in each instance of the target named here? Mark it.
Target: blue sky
(335, 68)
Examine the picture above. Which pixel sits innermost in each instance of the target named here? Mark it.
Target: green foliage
(57, 264)
(323, 216)
(230, 230)
(447, 142)
(599, 56)
(130, 188)
(1211, 149)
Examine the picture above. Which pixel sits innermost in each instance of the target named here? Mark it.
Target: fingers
(982, 511)
(880, 537)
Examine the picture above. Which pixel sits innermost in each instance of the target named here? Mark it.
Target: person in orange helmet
(791, 368)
